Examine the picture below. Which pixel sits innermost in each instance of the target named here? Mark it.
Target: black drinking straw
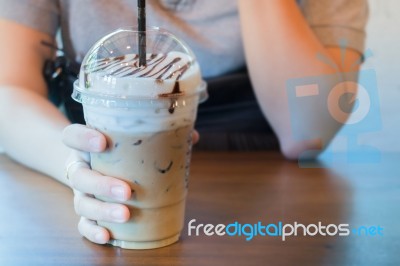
(142, 31)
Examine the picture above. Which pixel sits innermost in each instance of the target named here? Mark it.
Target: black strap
(60, 76)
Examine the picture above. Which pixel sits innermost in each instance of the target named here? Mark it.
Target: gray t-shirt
(211, 28)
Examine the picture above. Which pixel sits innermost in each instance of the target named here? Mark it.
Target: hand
(86, 183)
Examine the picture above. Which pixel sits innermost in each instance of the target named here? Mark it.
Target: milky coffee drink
(147, 114)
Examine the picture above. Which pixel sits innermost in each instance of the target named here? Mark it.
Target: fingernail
(118, 215)
(99, 237)
(118, 193)
(94, 143)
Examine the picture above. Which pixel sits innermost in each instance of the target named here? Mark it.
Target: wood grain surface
(38, 225)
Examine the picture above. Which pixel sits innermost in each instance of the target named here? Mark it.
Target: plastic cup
(147, 115)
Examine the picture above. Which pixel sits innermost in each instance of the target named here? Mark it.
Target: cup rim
(126, 101)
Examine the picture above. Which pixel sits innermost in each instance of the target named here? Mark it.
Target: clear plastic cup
(147, 115)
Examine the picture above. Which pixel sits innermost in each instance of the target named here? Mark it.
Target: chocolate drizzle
(156, 67)
(151, 62)
(128, 65)
(176, 91)
(164, 170)
(137, 142)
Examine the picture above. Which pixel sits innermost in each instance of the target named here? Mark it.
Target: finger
(92, 231)
(82, 138)
(92, 182)
(95, 209)
(195, 136)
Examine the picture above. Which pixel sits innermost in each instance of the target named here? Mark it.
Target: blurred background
(383, 40)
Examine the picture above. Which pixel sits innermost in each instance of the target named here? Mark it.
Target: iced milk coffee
(147, 114)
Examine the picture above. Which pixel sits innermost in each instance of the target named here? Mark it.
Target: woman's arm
(31, 126)
(280, 45)
(32, 131)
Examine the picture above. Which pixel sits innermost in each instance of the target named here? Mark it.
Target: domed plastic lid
(111, 68)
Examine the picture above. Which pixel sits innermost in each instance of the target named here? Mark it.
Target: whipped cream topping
(165, 75)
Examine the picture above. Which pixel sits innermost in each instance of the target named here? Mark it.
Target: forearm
(280, 45)
(31, 131)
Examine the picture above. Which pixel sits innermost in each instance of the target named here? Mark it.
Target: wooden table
(38, 225)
